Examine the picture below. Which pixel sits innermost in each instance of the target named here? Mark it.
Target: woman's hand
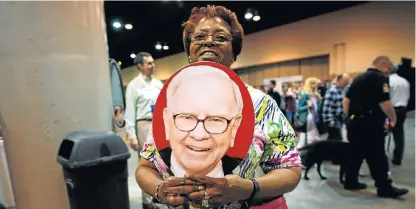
(172, 191)
(220, 191)
(309, 103)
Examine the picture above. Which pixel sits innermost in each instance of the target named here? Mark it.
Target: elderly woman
(271, 166)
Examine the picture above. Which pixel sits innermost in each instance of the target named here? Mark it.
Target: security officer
(367, 104)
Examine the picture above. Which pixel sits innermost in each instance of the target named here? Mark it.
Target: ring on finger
(206, 195)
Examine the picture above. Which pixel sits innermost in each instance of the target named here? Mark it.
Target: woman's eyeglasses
(213, 125)
(218, 38)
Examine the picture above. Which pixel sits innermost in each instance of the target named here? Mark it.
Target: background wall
(349, 38)
(314, 66)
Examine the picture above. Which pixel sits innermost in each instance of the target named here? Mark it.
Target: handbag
(299, 123)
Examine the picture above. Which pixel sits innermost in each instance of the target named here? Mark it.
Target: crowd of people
(312, 107)
(370, 106)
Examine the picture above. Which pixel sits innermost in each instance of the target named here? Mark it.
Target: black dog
(319, 151)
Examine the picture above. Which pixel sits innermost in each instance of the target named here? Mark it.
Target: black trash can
(95, 170)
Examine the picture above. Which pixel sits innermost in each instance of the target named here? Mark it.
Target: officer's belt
(360, 114)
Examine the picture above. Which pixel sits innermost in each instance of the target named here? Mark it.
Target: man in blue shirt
(332, 111)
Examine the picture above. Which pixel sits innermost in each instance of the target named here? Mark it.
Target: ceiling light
(158, 46)
(248, 15)
(119, 63)
(128, 26)
(133, 55)
(256, 16)
(165, 47)
(116, 24)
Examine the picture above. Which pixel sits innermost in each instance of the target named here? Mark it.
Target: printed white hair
(188, 74)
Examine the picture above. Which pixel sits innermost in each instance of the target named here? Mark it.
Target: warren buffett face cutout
(202, 116)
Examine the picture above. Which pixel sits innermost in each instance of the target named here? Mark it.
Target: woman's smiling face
(212, 41)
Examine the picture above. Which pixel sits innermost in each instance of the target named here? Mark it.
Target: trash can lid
(88, 148)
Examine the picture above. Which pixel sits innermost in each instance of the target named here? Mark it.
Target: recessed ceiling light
(116, 24)
(128, 26)
(256, 16)
(248, 15)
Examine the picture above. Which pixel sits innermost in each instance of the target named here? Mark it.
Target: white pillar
(54, 79)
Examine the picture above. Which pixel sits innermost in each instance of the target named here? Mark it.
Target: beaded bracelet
(157, 192)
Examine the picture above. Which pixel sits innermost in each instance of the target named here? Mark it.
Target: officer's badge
(385, 88)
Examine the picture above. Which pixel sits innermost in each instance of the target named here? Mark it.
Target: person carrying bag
(308, 112)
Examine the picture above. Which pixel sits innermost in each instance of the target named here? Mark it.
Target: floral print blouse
(273, 146)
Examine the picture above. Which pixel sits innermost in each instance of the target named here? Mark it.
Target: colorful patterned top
(273, 146)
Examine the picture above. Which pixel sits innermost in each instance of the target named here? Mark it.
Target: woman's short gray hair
(197, 71)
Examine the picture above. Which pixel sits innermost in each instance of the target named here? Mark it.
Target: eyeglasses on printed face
(213, 124)
(217, 38)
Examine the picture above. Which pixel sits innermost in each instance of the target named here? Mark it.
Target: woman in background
(270, 169)
(308, 109)
(290, 100)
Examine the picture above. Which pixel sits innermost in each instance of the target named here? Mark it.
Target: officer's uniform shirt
(366, 93)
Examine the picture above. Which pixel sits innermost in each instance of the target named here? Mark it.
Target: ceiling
(161, 21)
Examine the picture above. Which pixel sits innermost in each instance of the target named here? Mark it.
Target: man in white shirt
(141, 95)
(399, 96)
